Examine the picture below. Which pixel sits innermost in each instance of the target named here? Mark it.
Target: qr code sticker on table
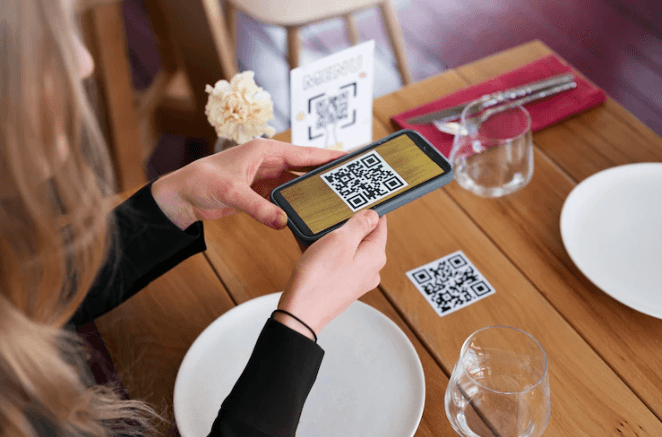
(450, 283)
(363, 181)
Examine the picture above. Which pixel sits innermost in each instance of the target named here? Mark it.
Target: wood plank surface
(254, 260)
(602, 355)
(588, 398)
(148, 335)
(525, 227)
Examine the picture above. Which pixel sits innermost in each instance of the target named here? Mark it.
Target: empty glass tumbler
(493, 150)
(499, 386)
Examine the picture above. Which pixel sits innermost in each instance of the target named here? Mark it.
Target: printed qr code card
(331, 100)
(363, 181)
(450, 283)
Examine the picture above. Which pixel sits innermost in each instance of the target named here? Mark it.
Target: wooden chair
(194, 49)
(294, 14)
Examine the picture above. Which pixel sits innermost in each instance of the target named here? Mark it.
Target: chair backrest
(299, 12)
(194, 51)
(104, 35)
(197, 29)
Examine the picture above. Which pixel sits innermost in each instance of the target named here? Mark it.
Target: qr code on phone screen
(450, 283)
(363, 181)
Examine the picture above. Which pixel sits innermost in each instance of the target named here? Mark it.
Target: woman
(66, 257)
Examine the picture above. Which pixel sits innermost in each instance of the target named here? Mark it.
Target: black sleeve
(146, 244)
(269, 395)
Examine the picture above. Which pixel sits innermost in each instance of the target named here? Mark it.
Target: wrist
(294, 323)
(166, 192)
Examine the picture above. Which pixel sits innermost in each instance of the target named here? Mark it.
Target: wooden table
(604, 358)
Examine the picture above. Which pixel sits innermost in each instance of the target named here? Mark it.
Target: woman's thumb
(360, 225)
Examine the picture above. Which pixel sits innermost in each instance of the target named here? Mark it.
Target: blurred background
(617, 44)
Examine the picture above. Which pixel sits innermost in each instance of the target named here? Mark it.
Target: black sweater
(268, 397)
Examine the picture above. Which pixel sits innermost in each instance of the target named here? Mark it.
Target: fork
(455, 128)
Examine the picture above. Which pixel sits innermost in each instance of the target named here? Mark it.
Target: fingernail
(373, 217)
(281, 220)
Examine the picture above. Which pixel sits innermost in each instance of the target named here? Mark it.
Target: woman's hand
(335, 271)
(234, 180)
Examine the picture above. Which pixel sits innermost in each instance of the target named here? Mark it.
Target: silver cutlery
(453, 128)
(495, 98)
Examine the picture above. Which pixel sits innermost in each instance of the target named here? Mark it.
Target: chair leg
(164, 43)
(293, 46)
(397, 41)
(352, 29)
(215, 22)
(230, 18)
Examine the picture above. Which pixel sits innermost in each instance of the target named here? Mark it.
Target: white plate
(371, 381)
(611, 225)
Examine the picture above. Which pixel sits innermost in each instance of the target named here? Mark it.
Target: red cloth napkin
(543, 112)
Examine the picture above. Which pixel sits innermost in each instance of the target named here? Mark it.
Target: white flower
(239, 110)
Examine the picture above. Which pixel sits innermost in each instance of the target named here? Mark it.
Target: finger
(376, 280)
(276, 158)
(247, 200)
(306, 169)
(264, 187)
(374, 244)
(305, 158)
(359, 226)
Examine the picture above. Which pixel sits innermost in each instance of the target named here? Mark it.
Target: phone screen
(393, 167)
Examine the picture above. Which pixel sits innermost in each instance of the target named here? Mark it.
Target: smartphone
(382, 176)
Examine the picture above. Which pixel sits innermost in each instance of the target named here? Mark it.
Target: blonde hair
(55, 178)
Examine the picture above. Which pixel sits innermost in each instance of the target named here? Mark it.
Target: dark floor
(616, 43)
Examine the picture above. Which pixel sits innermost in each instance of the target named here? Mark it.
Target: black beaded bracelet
(297, 319)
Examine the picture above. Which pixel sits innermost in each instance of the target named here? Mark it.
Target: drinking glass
(499, 386)
(493, 150)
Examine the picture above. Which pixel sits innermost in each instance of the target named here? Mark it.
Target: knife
(454, 128)
(498, 97)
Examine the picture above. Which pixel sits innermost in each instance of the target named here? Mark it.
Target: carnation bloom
(239, 110)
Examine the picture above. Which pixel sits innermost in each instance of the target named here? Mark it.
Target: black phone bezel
(303, 232)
